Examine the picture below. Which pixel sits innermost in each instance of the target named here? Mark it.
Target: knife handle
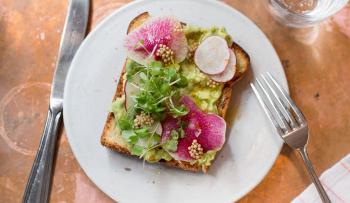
(39, 182)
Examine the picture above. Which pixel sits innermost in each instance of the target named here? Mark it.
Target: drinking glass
(304, 13)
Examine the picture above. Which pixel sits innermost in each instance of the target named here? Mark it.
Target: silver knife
(38, 185)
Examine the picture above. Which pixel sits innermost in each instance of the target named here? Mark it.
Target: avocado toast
(184, 128)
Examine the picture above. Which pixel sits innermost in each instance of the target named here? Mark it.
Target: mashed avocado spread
(195, 35)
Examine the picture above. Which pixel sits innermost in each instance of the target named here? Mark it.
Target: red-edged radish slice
(130, 89)
(229, 71)
(212, 55)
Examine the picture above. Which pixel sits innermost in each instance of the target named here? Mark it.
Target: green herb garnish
(159, 89)
(158, 95)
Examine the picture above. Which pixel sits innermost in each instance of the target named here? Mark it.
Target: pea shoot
(159, 95)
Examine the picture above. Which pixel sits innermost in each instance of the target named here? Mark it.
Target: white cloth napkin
(336, 182)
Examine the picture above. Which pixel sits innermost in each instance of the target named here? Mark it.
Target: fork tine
(300, 117)
(281, 105)
(266, 109)
(278, 114)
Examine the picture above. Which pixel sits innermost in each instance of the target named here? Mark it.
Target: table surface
(316, 62)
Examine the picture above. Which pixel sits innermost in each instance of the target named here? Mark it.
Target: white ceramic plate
(251, 147)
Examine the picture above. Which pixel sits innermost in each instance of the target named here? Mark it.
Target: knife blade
(73, 34)
(39, 181)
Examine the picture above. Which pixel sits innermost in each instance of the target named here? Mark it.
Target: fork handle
(37, 189)
(313, 175)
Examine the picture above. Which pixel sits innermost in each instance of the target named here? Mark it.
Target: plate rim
(124, 8)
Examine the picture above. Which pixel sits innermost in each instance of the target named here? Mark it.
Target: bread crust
(222, 103)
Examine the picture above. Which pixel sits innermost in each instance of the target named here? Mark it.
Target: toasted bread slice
(112, 141)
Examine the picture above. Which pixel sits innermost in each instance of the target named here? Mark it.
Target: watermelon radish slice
(208, 129)
(143, 43)
(168, 125)
(212, 55)
(229, 71)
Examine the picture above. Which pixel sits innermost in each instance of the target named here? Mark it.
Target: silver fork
(288, 120)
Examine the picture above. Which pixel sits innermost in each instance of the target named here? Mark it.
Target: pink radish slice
(168, 124)
(142, 43)
(208, 129)
(212, 55)
(229, 71)
(130, 90)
